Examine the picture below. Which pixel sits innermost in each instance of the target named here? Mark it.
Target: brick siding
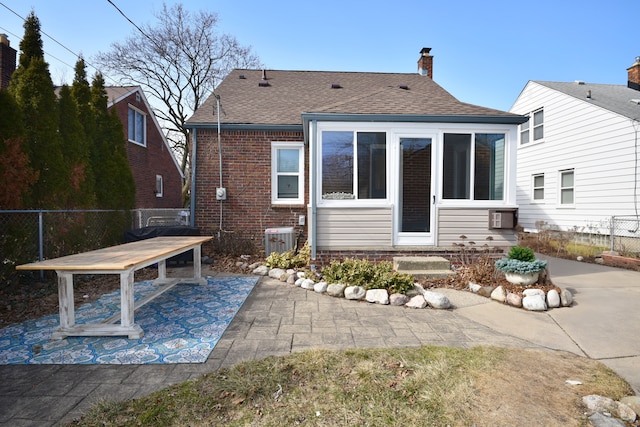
(246, 174)
(147, 162)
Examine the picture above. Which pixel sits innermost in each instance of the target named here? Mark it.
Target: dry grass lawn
(427, 386)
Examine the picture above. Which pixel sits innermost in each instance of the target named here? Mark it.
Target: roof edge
(512, 119)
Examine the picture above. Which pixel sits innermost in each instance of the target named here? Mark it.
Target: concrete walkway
(278, 319)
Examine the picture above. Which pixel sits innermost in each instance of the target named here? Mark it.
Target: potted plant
(521, 266)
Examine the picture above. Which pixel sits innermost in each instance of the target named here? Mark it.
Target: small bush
(522, 254)
(361, 272)
(290, 259)
(522, 267)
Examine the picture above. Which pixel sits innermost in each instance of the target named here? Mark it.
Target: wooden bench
(123, 260)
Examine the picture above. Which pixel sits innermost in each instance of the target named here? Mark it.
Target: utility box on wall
(503, 218)
(279, 239)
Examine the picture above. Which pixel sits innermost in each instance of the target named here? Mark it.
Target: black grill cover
(157, 231)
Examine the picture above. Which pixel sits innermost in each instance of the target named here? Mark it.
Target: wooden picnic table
(123, 260)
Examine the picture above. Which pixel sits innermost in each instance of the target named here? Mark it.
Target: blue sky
(484, 52)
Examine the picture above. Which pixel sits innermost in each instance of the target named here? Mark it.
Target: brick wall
(246, 174)
(147, 162)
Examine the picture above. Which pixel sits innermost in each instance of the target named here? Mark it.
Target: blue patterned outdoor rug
(181, 325)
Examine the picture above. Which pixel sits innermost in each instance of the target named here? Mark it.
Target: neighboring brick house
(156, 172)
(361, 164)
(7, 61)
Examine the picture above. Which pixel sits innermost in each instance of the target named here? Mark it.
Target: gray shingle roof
(616, 98)
(291, 93)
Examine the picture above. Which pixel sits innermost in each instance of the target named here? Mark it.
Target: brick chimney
(633, 81)
(7, 61)
(425, 63)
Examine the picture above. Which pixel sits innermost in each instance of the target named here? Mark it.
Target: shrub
(521, 254)
(355, 272)
(508, 265)
(290, 259)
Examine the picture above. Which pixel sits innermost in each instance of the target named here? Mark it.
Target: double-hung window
(567, 187)
(287, 172)
(137, 126)
(535, 124)
(354, 165)
(538, 187)
(474, 166)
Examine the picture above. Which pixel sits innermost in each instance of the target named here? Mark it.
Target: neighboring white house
(578, 154)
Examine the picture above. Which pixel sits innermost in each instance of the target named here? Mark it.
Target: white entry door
(414, 207)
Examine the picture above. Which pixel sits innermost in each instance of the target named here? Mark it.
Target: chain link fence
(33, 235)
(625, 232)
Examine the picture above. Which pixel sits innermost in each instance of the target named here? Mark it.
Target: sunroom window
(354, 165)
(474, 166)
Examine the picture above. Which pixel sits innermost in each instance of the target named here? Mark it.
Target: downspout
(313, 177)
(194, 149)
(219, 159)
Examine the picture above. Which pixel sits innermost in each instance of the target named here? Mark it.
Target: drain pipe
(313, 177)
(194, 149)
(219, 159)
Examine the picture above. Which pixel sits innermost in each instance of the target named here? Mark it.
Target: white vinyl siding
(578, 135)
(474, 225)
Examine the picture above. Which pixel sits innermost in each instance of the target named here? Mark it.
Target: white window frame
(561, 188)
(355, 127)
(159, 186)
(472, 132)
(143, 138)
(529, 128)
(535, 126)
(287, 145)
(535, 187)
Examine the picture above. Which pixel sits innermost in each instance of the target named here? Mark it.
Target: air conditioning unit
(279, 239)
(503, 218)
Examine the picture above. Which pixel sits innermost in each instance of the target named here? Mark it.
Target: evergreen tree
(33, 90)
(115, 186)
(75, 149)
(15, 173)
(81, 91)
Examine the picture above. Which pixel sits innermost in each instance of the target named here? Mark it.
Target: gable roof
(290, 94)
(116, 94)
(616, 98)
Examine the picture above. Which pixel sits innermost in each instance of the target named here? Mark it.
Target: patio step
(423, 266)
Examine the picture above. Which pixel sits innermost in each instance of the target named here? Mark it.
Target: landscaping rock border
(532, 299)
(417, 298)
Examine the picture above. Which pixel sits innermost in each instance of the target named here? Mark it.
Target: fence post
(40, 241)
(613, 236)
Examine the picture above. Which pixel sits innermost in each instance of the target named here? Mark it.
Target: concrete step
(423, 266)
(428, 274)
(421, 263)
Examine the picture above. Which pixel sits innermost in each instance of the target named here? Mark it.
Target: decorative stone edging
(532, 299)
(417, 298)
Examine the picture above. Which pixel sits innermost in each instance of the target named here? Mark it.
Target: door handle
(434, 200)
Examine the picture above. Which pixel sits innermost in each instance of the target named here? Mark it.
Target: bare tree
(178, 61)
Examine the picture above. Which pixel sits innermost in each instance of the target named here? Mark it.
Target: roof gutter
(413, 118)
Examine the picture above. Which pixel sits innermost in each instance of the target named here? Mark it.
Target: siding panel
(474, 224)
(357, 228)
